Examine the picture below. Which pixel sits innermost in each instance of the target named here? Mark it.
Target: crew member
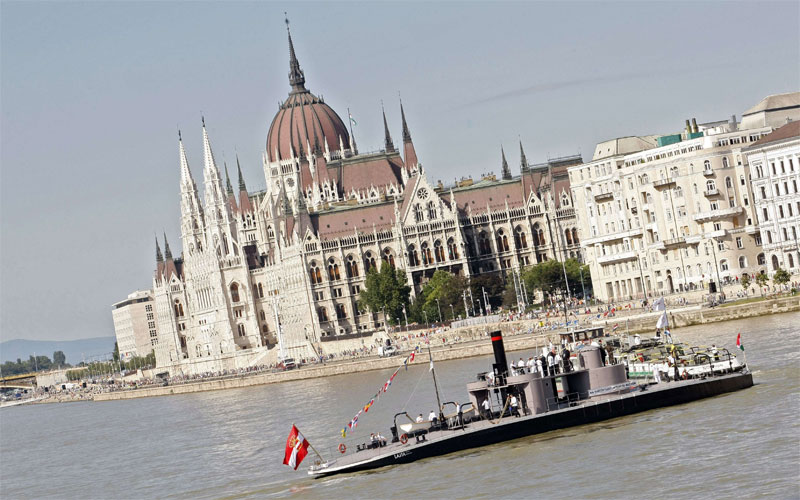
(432, 417)
(514, 406)
(420, 419)
(487, 407)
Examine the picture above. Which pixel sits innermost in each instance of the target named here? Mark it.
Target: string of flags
(351, 426)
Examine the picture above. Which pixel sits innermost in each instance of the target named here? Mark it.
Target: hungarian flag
(296, 449)
(739, 342)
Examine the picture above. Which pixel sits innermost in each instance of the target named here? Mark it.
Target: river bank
(515, 340)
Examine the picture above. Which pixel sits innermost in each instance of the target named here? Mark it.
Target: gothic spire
(296, 77)
(406, 133)
(159, 257)
(523, 160)
(388, 139)
(167, 251)
(287, 206)
(186, 173)
(227, 179)
(506, 170)
(242, 186)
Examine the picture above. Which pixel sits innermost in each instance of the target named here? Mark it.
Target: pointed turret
(159, 257)
(211, 177)
(242, 186)
(506, 170)
(388, 138)
(167, 251)
(192, 220)
(297, 78)
(523, 160)
(286, 204)
(409, 153)
(228, 186)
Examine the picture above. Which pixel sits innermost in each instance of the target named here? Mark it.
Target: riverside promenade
(516, 339)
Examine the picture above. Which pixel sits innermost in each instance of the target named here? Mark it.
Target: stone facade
(775, 170)
(135, 325)
(659, 215)
(284, 267)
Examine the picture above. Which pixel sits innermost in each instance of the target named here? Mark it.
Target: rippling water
(229, 444)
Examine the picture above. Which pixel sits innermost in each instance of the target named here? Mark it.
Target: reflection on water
(229, 444)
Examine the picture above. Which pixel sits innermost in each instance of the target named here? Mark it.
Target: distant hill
(74, 350)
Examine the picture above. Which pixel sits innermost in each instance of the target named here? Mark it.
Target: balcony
(720, 233)
(720, 214)
(711, 192)
(674, 242)
(617, 257)
(662, 183)
(604, 196)
(695, 238)
(648, 207)
(612, 237)
(708, 173)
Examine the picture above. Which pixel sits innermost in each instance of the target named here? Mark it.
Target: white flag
(663, 321)
(431, 368)
(659, 304)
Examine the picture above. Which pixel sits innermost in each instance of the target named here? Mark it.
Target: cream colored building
(135, 324)
(660, 215)
(775, 170)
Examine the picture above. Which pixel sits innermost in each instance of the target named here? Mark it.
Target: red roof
(345, 221)
(304, 119)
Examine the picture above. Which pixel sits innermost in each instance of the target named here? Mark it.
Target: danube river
(229, 444)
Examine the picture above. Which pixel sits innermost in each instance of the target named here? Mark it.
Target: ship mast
(435, 385)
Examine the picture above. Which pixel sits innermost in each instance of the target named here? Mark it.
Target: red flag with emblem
(296, 449)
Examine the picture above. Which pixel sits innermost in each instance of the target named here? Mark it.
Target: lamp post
(452, 313)
(426, 316)
(583, 288)
(716, 264)
(439, 308)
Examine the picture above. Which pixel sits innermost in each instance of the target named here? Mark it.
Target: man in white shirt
(531, 364)
(557, 362)
(514, 406)
(520, 367)
(432, 417)
(486, 408)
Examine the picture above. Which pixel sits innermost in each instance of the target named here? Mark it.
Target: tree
(781, 277)
(494, 286)
(761, 279)
(59, 358)
(116, 351)
(548, 276)
(745, 280)
(448, 289)
(386, 290)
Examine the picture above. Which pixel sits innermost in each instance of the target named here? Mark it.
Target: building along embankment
(513, 342)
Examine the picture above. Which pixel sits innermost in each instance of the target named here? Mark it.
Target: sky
(92, 95)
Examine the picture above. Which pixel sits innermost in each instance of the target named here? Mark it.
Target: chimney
(694, 125)
(688, 127)
(500, 362)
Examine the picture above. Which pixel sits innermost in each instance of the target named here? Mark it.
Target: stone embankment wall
(642, 323)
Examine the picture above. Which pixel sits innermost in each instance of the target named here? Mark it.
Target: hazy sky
(92, 95)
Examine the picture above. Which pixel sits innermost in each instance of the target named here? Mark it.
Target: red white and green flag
(739, 342)
(296, 449)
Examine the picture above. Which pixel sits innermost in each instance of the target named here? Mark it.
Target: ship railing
(566, 401)
(361, 445)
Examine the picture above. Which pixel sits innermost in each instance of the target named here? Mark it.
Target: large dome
(303, 120)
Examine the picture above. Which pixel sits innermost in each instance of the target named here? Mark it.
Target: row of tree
(447, 296)
(33, 364)
(781, 277)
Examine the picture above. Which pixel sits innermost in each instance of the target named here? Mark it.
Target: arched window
(452, 249)
(678, 192)
(568, 236)
(711, 185)
(762, 260)
(673, 172)
(340, 311)
(645, 179)
(369, 262)
(775, 264)
(723, 264)
(742, 262)
(234, 292)
(791, 260)
(419, 215)
(260, 291)
(724, 162)
(431, 210)
(575, 235)
(388, 257)
(314, 273)
(483, 244)
(322, 314)
(438, 251)
(333, 270)
(707, 165)
(536, 232)
(413, 258)
(426, 254)
(178, 308)
(520, 239)
(728, 182)
(351, 267)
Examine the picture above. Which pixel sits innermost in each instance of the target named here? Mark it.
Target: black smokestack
(500, 363)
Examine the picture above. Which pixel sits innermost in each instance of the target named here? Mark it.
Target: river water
(229, 444)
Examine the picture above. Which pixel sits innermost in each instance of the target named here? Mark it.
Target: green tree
(781, 277)
(745, 280)
(548, 277)
(448, 289)
(116, 351)
(762, 279)
(494, 286)
(59, 358)
(386, 290)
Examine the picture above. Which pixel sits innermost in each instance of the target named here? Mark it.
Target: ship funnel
(500, 362)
